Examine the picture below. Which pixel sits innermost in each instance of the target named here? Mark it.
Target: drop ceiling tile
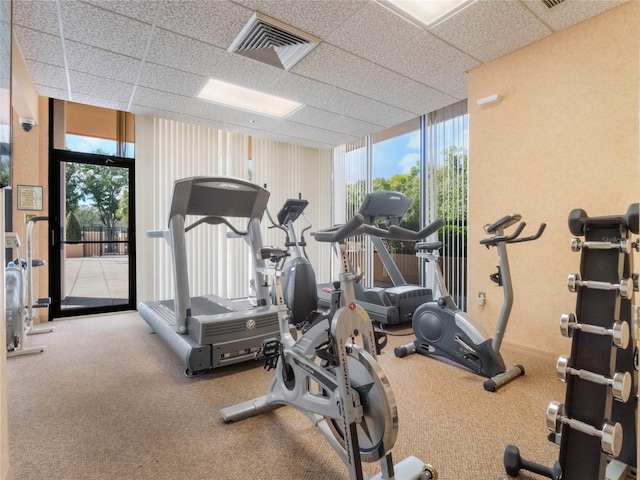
(148, 97)
(425, 55)
(84, 58)
(482, 23)
(570, 12)
(373, 32)
(100, 102)
(91, 85)
(334, 66)
(511, 41)
(40, 16)
(160, 113)
(418, 98)
(316, 94)
(47, 91)
(109, 31)
(39, 46)
(143, 10)
(214, 111)
(317, 17)
(171, 80)
(328, 121)
(214, 22)
(248, 73)
(449, 80)
(384, 115)
(45, 74)
(183, 53)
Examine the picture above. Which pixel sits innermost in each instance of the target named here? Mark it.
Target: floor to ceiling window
(395, 164)
(426, 159)
(446, 140)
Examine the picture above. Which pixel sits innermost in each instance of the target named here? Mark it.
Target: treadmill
(396, 304)
(209, 331)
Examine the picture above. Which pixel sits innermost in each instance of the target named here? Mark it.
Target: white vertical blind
(445, 190)
(350, 186)
(167, 150)
(290, 171)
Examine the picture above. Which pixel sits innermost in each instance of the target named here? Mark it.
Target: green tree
(452, 185)
(100, 188)
(74, 232)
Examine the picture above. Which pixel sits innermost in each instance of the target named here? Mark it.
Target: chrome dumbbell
(625, 287)
(625, 246)
(619, 333)
(610, 434)
(620, 384)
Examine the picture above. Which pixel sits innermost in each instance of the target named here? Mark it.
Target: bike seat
(428, 246)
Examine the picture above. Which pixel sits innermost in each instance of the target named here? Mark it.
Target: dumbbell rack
(596, 426)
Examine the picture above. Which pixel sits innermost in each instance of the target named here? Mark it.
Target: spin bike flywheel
(378, 429)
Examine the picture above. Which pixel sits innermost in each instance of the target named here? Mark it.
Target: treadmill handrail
(215, 220)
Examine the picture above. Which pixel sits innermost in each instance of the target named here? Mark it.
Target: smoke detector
(270, 41)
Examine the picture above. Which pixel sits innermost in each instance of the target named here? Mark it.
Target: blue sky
(396, 155)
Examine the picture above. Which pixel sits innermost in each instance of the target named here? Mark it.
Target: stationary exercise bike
(442, 329)
(335, 382)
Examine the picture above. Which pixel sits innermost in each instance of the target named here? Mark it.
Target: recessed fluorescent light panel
(246, 99)
(428, 12)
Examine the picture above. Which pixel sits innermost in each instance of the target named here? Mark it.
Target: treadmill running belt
(200, 306)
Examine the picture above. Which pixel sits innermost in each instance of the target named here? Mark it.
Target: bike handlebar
(513, 238)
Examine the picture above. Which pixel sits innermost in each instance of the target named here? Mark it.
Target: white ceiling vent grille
(269, 41)
(552, 3)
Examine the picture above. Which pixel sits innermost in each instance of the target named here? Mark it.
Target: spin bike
(442, 329)
(335, 382)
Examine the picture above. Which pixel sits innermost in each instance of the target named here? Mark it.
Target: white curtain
(446, 133)
(167, 150)
(293, 171)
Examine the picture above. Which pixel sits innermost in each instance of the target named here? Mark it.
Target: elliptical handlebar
(400, 233)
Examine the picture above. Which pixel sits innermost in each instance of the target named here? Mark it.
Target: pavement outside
(96, 281)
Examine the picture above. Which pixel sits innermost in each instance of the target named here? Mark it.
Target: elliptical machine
(335, 382)
(442, 329)
(299, 283)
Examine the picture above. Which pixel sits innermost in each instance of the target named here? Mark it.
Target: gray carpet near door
(108, 400)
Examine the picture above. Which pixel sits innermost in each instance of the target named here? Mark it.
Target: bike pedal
(271, 349)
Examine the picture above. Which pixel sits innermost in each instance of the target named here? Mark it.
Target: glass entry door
(92, 245)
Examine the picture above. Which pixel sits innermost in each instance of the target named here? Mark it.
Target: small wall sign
(29, 197)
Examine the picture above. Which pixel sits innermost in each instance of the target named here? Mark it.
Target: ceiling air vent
(269, 41)
(552, 3)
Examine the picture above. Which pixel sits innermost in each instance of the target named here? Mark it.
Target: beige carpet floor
(108, 400)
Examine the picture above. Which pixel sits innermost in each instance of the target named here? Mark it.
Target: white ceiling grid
(373, 69)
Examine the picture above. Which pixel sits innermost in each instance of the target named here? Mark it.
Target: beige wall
(564, 136)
